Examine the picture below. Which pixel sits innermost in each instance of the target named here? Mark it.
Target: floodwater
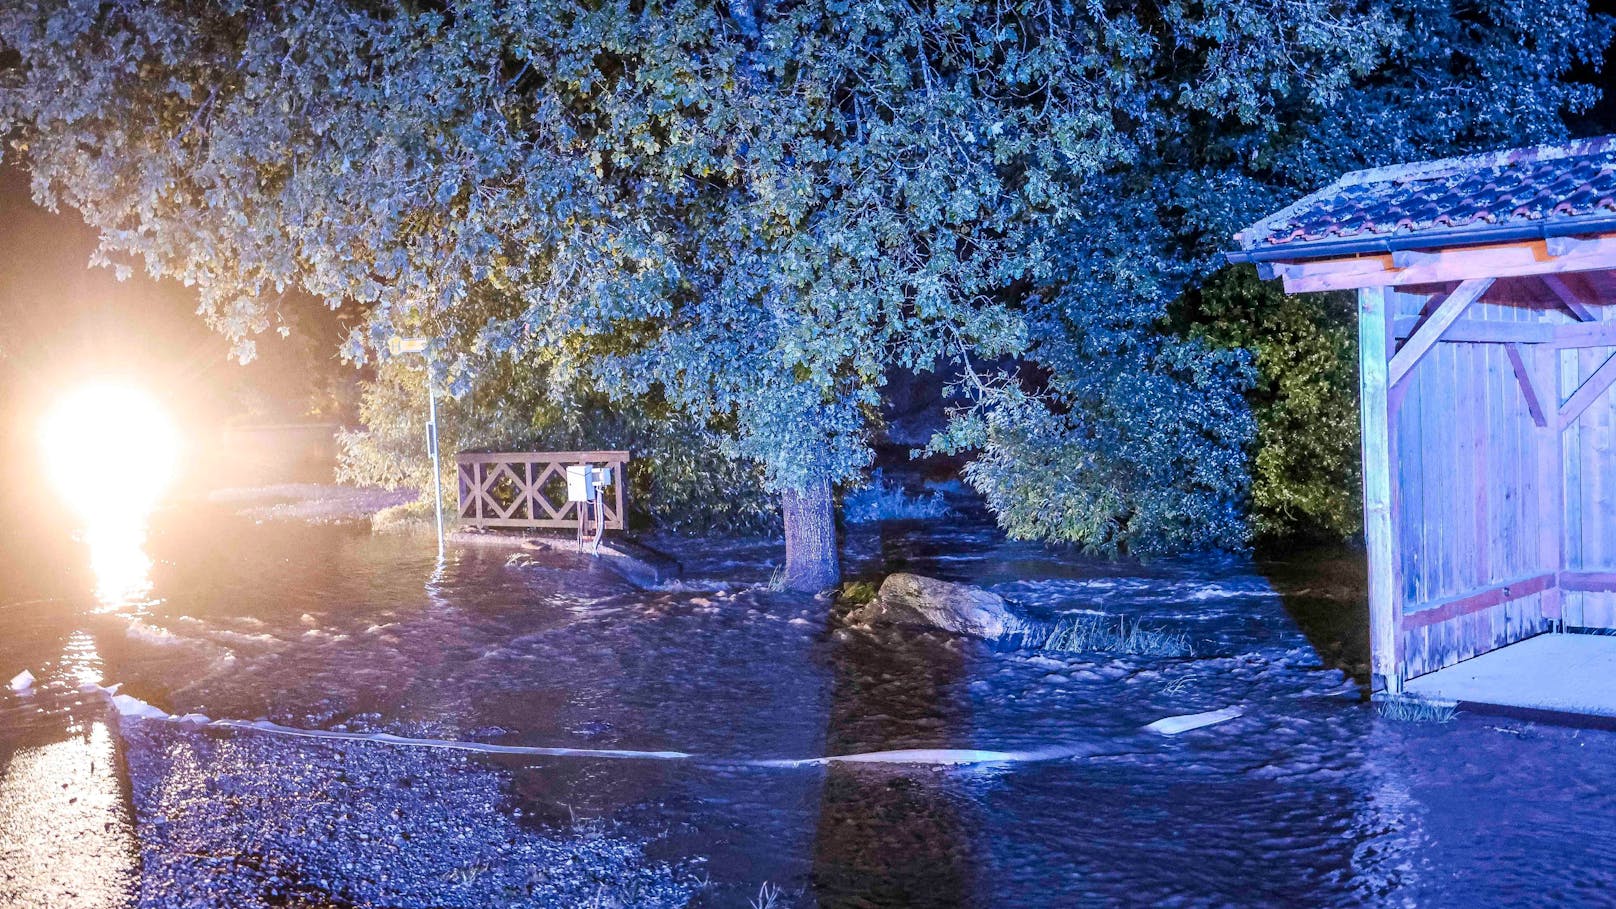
(1308, 798)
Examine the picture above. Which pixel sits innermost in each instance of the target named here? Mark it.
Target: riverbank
(312, 502)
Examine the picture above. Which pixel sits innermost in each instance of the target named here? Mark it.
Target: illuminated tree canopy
(758, 209)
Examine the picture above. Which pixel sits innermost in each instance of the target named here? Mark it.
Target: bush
(1140, 452)
(1304, 458)
(680, 478)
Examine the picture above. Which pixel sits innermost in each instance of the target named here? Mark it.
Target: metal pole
(432, 448)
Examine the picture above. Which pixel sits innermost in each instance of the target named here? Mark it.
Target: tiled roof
(1561, 185)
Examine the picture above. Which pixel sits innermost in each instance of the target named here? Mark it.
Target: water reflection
(895, 836)
(64, 826)
(81, 662)
(120, 565)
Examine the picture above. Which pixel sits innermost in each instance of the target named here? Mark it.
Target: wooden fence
(528, 489)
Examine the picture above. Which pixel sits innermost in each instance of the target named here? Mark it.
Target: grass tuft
(411, 517)
(1106, 634)
(884, 501)
(777, 580)
(1414, 710)
(768, 897)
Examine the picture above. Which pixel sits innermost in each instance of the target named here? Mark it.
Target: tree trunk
(811, 560)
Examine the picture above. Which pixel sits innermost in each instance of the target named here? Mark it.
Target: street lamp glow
(110, 451)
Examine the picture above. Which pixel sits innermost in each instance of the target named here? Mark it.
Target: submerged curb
(638, 563)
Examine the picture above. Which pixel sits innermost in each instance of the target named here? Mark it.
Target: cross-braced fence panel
(528, 489)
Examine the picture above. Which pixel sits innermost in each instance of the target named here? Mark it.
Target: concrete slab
(1566, 673)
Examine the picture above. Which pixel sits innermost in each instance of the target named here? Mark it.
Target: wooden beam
(1478, 331)
(1430, 331)
(1585, 334)
(1523, 376)
(1594, 386)
(1385, 625)
(1461, 263)
(1457, 607)
(1588, 581)
(558, 457)
(1568, 298)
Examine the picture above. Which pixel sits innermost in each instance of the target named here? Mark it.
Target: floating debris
(1173, 725)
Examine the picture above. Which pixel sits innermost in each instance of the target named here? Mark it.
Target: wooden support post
(1569, 370)
(1550, 477)
(1379, 528)
(1430, 331)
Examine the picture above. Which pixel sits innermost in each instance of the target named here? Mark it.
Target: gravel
(235, 819)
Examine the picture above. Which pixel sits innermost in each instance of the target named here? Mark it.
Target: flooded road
(1307, 798)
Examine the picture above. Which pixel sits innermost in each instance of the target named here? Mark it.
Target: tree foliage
(1460, 77)
(750, 210)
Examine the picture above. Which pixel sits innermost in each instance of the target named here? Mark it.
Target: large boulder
(911, 599)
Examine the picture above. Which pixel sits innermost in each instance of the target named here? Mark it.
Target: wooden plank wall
(1590, 532)
(1469, 503)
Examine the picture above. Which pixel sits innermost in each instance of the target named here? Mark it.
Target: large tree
(763, 205)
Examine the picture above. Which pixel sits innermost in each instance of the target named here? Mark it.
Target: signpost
(398, 347)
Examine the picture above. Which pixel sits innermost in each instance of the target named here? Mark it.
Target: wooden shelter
(1487, 347)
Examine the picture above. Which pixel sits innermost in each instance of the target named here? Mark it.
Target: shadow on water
(893, 837)
(1325, 590)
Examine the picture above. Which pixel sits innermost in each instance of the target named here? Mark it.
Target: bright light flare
(111, 452)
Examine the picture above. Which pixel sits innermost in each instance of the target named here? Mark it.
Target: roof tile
(1479, 191)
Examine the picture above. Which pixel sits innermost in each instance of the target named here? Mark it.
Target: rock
(911, 599)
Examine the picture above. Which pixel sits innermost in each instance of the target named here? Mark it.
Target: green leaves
(750, 213)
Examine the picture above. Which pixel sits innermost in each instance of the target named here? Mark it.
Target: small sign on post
(398, 347)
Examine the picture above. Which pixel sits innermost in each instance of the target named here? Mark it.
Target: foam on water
(1176, 725)
(133, 708)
